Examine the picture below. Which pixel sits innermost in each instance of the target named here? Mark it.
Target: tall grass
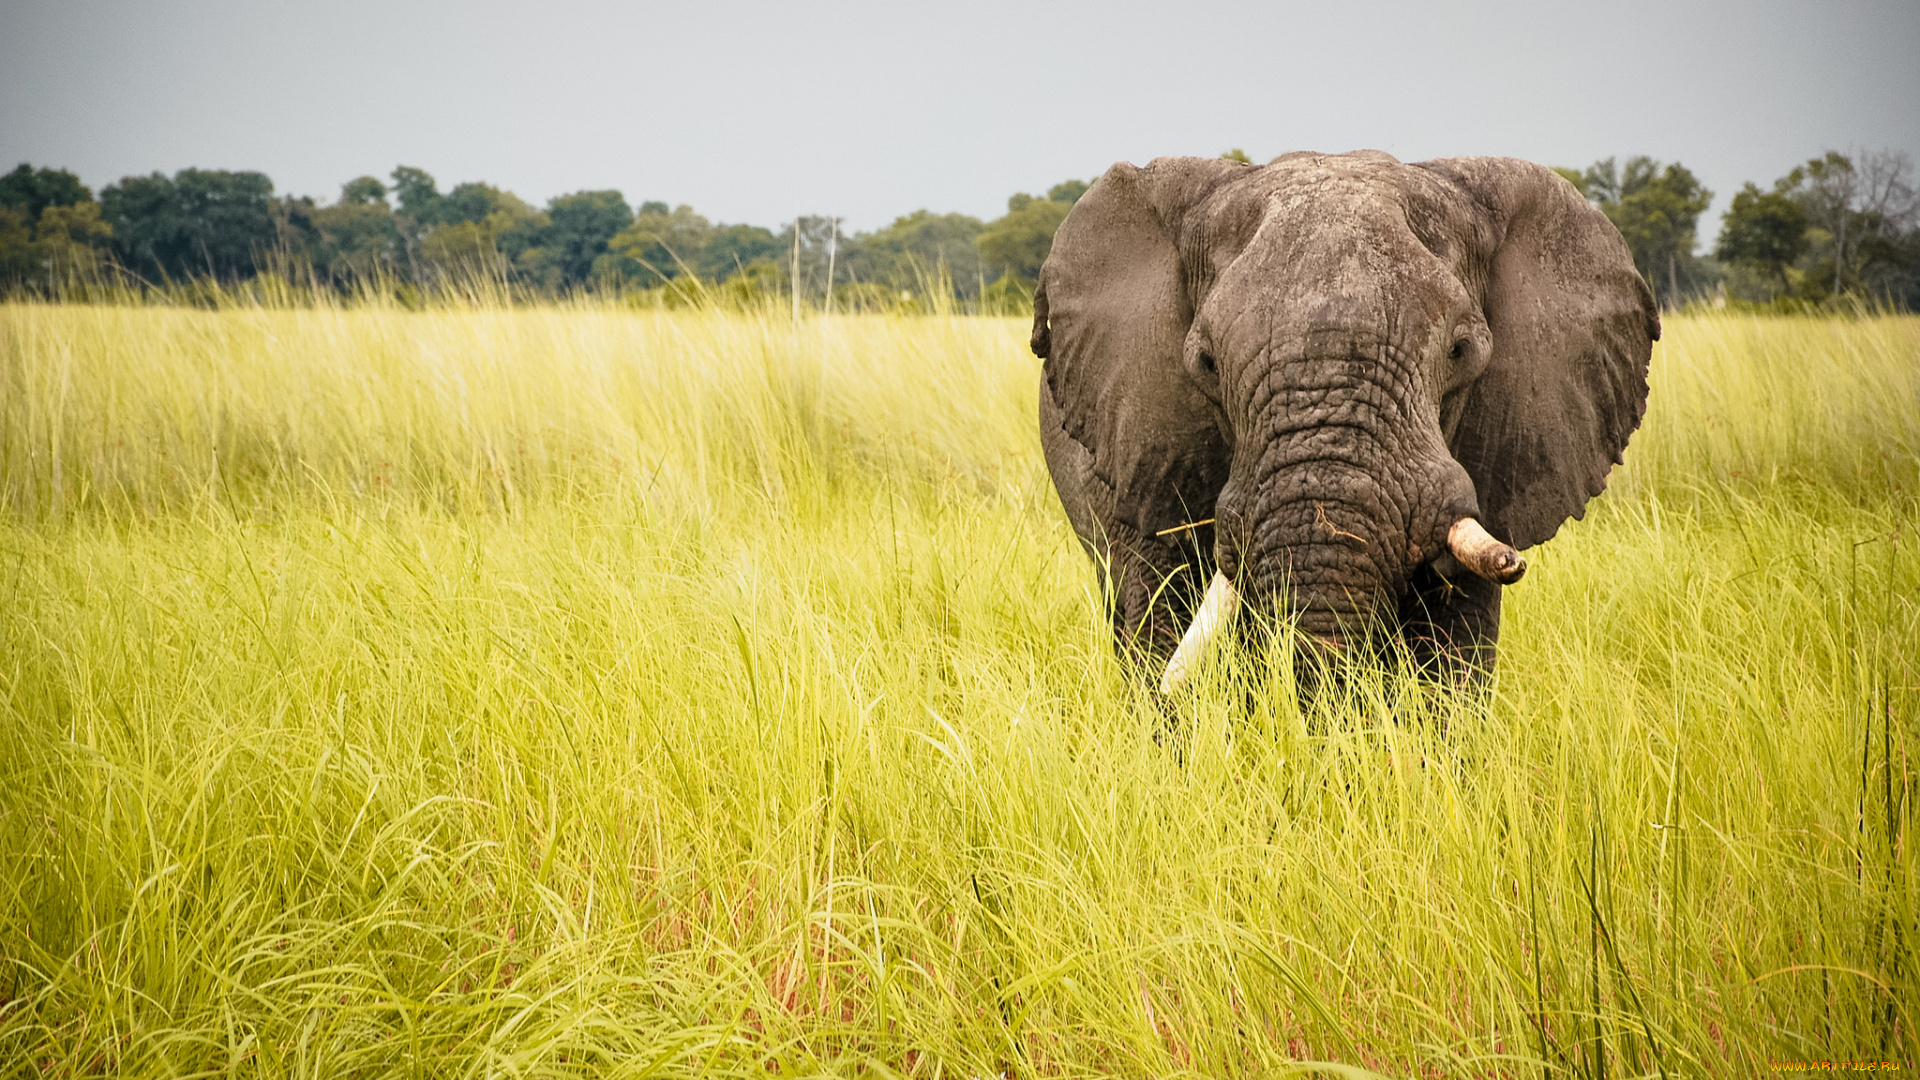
(564, 691)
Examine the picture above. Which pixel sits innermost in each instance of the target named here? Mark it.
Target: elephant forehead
(1355, 269)
(1364, 209)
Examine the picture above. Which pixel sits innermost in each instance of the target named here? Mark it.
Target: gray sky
(756, 111)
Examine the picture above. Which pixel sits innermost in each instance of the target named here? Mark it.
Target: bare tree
(1859, 198)
(1887, 195)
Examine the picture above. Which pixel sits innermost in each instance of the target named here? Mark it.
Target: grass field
(564, 691)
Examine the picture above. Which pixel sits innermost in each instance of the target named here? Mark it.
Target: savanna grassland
(564, 690)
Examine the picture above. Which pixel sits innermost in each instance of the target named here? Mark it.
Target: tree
(296, 233)
(481, 230)
(201, 222)
(1068, 191)
(1657, 211)
(1892, 269)
(1836, 225)
(918, 252)
(1889, 251)
(664, 245)
(358, 241)
(363, 191)
(72, 238)
(1858, 213)
(419, 211)
(474, 229)
(358, 237)
(476, 202)
(1239, 155)
(660, 245)
(32, 190)
(418, 194)
(734, 249)
(1766, 231)
(1019, 242)
(19, 261)
(1825, 188)
(67, 242)
(50, 228)
(580, 226)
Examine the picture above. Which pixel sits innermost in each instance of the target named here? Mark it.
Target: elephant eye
(1206, 361)
(1459, 350)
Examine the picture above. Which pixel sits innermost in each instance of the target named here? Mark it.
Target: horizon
(526, 107)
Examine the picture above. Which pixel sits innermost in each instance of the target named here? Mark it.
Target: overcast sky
(757, 111)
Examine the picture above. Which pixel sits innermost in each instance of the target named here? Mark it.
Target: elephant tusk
(1217, 610)
(1478, 551)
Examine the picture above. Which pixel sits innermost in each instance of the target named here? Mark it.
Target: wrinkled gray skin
(1336, 357)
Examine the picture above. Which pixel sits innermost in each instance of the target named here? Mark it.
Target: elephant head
(1351, 382)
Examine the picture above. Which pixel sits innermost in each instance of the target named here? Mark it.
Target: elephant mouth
(1469, 547)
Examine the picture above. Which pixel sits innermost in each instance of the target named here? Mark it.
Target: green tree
(296, 233)
(32, 190)
(19, 261)
(1892, 268)
(659, 245)
(1657, 211)
(363, 191)
(664, 245)
(1763, 231)
(418, 212)
(580, 227)
(358, 237)
(475, 228)
(72, 238)
(1007, 295)
(67, 242)
(419, 196)
(917, 253)
(50, 228)
(1825, 187)
(201, 222)
(358, 241)
(1068, 191)
(734, 249)
(1019, 242)
(476, 202)
(1239, 155)
(482, 229)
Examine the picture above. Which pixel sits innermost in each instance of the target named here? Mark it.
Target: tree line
(404, 232)
(1837, 227)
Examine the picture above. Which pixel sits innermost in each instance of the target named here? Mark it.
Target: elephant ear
(1573, 329)
(1111, 319)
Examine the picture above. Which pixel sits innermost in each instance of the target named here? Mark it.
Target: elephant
(1343, 389)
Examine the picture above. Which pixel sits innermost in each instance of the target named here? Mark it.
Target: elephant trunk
(1330, 541)
(1316, 546)
(1333, 530)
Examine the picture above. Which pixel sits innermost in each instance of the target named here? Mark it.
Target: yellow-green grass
(567, 691)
